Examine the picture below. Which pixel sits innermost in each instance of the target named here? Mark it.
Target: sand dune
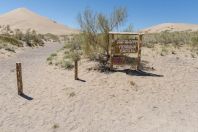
(171, 27)
(24, 19)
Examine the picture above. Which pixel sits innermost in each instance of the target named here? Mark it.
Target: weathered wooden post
(76, 70)
(19, 78)
(139, 51)
(111, 54)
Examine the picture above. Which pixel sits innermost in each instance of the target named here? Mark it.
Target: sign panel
(118, 60)
(125, 46)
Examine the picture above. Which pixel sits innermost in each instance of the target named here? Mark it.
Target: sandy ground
(164, 101)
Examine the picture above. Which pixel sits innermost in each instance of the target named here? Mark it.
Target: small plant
(72, 94)
(67, 64)
(53, 54)
(164, 51)
(132, 83)
(49, 58)
(55, 126)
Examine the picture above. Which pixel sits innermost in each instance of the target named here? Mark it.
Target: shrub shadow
(138, 73)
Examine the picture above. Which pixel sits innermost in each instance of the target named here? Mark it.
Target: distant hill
(171, 27)
(24, 19)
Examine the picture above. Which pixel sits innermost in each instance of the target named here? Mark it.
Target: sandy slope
(171, 27)
(24, 19)
(105, 102)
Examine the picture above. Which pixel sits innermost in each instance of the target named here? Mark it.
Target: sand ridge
(171, 27)
(24, 19)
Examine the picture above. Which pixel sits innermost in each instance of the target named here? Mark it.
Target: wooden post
(111, 54)
(19, 78)
(76, 70)
(139, 51)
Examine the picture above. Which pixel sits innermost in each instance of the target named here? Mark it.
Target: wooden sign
(119, 47)
(118, 60)
(125, 46)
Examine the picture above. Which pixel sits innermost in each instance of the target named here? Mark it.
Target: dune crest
(171, 27)
(24, 19)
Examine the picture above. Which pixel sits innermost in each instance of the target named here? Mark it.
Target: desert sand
(162, 99)
(171, 27)
(24, 19)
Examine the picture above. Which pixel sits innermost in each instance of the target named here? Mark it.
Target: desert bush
(176, 39)
(194, 44)
(95, 29)
(67, 64)
(33, 39)
(10, 40)
(68, 54)
(52, 37)
(18, 34)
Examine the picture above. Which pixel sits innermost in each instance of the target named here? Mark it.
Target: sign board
(120, 47)
(118, 60)
(125, 46)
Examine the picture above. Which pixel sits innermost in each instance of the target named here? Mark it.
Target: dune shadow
(26, 97)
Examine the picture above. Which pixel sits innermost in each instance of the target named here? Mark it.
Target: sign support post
(139, 52)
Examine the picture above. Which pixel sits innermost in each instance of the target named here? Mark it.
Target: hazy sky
(141, 13)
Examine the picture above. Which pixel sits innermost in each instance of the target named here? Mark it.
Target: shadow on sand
(138, 73)
(26, 97)
(78, 79)
(145, 68)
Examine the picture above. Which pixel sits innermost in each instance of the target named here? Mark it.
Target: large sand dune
(24, 19)
(171, 27)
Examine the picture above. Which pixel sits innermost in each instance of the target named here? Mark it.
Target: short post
(76, 70)
(19, 78)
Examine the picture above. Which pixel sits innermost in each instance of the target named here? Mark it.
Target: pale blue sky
(141, 13)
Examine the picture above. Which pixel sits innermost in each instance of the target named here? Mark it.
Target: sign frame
(125, 42)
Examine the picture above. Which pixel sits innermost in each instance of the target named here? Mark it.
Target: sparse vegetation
(175, 39)
(72, 94)
(10, 40)
(68, 54)
(66, 64)
(55, 126)
(95, 28)
(51, 37)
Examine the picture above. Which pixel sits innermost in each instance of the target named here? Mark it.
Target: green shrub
(53, 54)
(33, 39)
(52, 37)
(67, 64)
(50, 58)
(194, 44)
(10, 40)
(175, 38)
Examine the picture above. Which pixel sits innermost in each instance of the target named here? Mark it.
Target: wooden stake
(139, 52)
(76, 70)
(111, 54)
(19, 78)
